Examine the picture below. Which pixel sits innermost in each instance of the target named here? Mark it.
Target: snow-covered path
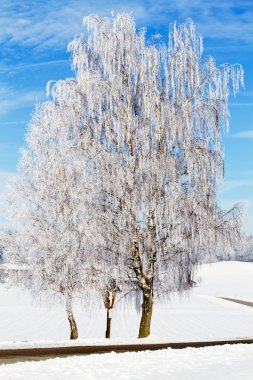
(216, 363)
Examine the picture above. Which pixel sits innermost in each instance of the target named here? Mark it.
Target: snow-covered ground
(198, 315)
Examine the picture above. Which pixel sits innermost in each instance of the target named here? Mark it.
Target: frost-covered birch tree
(51, 207)
(155, 113)
(245, 251)
(120, 175)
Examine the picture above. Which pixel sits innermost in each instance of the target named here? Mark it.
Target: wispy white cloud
(244, 135)
(17, 122)
(241, 104)
(230, 185)
(11, 99)
(8, 68)
(55, 22)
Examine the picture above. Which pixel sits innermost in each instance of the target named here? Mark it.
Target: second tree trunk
(146, 315)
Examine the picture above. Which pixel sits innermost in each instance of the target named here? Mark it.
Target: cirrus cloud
(244, 135)
(52, 23)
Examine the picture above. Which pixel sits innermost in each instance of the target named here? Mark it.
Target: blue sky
(34, 37)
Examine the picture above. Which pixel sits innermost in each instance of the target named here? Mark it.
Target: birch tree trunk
(145, 280)
(146, 315)
(71, 319)
(147, 301)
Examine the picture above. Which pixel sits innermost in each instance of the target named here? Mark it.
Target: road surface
(246, 303)
(24, 354)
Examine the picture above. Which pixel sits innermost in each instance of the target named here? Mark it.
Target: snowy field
(200, 315)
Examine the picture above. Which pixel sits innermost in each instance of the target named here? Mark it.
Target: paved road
(246, 303)
(25, 354)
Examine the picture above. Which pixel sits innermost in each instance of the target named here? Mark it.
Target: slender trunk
(108, 324)
(147, 302)
(71, 319)
(146, 315)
